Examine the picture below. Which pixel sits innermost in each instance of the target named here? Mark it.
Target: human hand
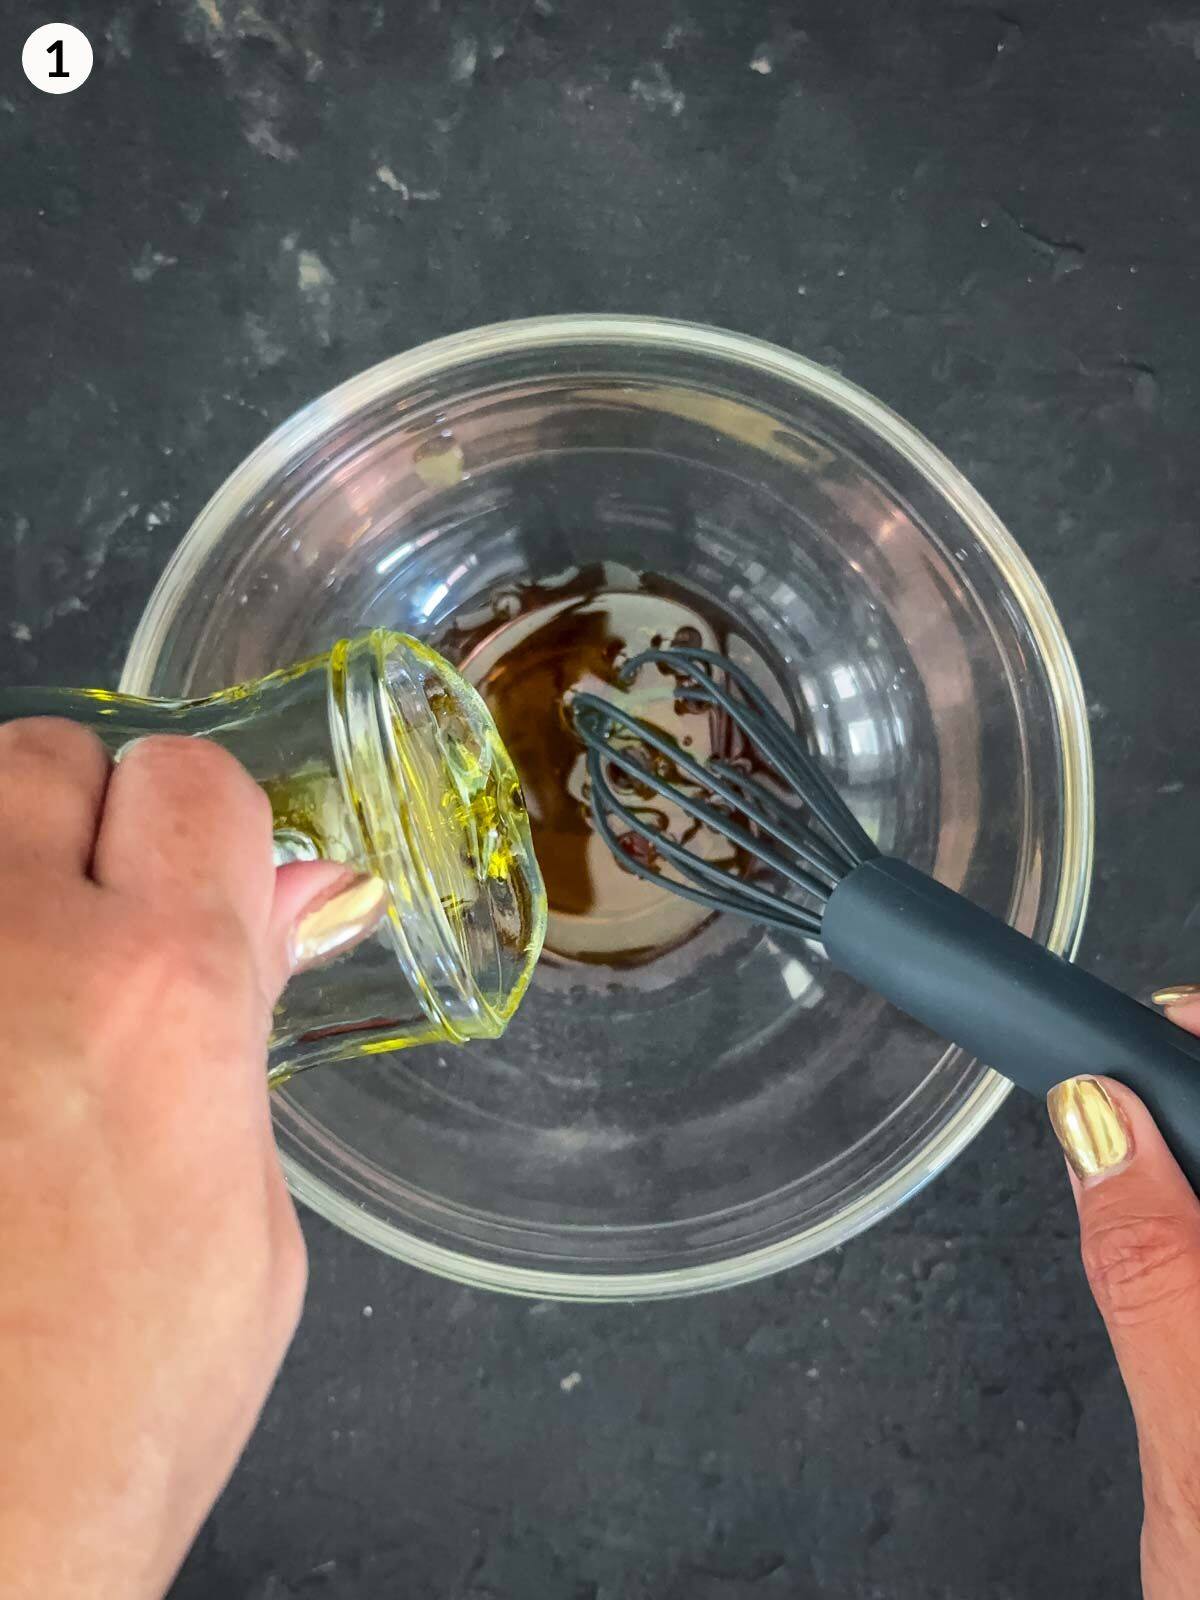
(152, 1267)
(1140, 1231)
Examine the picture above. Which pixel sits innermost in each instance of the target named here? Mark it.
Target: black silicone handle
(1029, 1014)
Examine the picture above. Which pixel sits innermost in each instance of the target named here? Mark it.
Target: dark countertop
(985, 216)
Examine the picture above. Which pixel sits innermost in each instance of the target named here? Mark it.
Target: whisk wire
(699, 810)
(770, 733)
(709, 776)
(735, 894)
(819, 855)
(782, 838)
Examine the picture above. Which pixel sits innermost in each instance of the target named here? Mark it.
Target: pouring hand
(151, 1264)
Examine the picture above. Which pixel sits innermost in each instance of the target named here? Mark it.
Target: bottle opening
(444, 824)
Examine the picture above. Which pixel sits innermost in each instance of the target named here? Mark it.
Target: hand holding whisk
(954, 967)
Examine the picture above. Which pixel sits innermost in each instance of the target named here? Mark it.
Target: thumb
(1140, 1232)
(321, 910)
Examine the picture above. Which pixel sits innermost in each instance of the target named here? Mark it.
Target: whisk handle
(1025, 1012)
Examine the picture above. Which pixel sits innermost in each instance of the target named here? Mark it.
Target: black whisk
(963, 972)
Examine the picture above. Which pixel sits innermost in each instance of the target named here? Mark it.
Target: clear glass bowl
(734, 1105)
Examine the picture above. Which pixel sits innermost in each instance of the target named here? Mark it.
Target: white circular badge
(57, 58)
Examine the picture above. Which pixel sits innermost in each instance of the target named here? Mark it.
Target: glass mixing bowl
(733, 1105)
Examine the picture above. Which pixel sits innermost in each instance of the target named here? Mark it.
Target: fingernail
(1178, 994)
(337, 924)
(1089, 1126)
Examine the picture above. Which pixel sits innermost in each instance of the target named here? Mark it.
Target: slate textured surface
(987, 217)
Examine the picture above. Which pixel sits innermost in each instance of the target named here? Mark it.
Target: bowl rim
(440, 356)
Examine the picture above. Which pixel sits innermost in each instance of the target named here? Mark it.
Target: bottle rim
(389, 748)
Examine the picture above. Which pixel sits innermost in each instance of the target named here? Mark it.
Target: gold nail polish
(1176, 995)
(340, 922)
(1089, 1126)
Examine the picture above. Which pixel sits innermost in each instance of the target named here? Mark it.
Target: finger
(1140, 1234)
(52, 780)
(186, 828)
(321, 910)
(1181, 1002)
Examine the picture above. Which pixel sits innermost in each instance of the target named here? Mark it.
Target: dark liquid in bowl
(542, 643)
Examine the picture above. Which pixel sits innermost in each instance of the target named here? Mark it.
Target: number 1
(56, 50)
